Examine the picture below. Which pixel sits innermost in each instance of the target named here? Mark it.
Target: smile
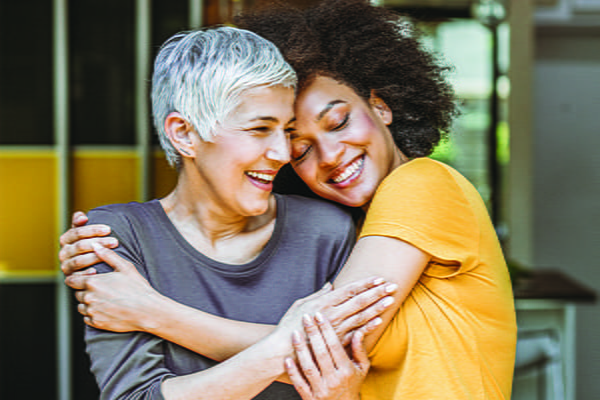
(261, 177)
(352, 171)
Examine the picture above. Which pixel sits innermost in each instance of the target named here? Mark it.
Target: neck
(194, 210)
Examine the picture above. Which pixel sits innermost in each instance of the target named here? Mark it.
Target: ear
(181, 134)
(381, 108)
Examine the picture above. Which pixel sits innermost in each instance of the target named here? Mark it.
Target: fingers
(83, 232)
(297, 379)
(353, 289)
(359, 352)
(320, 350)
(360, 309)
(78, 280)
(85, 246)
(78, 219)
(366, 317)
(76, 263)
(305, 360)
(113, 259)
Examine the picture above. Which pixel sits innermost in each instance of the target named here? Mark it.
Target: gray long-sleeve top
(310, 242)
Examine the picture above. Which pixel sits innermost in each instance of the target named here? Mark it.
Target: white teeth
(263, 177)
(349, 171)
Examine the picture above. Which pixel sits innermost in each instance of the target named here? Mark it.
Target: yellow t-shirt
(454, 336)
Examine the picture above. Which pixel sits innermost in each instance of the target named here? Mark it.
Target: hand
(119, 301)
(323, 370)
(76, 244)
(356, 305)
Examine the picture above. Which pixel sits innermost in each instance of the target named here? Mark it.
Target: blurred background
(76, 133)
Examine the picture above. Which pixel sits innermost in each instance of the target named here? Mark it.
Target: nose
(279, 148)
(330, 152)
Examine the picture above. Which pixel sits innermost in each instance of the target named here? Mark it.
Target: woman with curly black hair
(371, 106)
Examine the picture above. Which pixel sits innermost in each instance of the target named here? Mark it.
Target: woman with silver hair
(221, 241)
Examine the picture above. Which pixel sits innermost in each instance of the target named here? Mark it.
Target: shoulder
(122, 212)
(319, 215)
(422, 171)
(316, 209)
(128, 221)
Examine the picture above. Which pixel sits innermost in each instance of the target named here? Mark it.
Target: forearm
(242, 376)
(212, 336)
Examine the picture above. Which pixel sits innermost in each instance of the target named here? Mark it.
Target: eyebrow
(326, 109)
(272, 119)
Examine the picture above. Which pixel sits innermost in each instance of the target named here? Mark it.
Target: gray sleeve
(126, 365)
(343, 251)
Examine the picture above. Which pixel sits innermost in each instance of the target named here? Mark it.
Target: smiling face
(235, 172)
(341, 146)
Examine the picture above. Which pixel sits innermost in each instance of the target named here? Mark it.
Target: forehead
(266, 102)
(320, 94)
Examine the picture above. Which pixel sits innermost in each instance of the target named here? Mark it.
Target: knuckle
(361, 302)
(310, 372)
(76, 234)
(77, 262)
(62, 254)
(79, 246)
(66, 267)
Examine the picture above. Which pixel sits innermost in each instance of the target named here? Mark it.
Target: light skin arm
(124, 301)
(246, 374)
(321, 369)
(396, 261)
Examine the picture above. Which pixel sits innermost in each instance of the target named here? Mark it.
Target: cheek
(364, 129)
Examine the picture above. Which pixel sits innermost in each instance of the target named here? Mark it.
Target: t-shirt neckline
(229, 269)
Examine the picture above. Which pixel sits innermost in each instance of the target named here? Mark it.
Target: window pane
(168, 18)
(102, 68)
(26, 72)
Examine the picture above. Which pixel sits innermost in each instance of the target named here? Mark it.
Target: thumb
(112, 258)
(359, 353)
(78, 219)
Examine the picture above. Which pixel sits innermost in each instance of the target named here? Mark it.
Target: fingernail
(378, 281)
(377, 321)
(296, 337)
(387, 301)
(358, 335)
(391, 288)
(104, 229)
(319, 317)
(307, 320)
(112, 241)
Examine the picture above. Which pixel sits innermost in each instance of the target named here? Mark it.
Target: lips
(262, 180)
(349, 173)
(261, 176)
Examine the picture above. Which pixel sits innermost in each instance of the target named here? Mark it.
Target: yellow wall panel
(28, 211)
(165, 177)
(103, 177)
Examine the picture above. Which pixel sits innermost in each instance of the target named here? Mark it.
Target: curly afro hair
(369, 49)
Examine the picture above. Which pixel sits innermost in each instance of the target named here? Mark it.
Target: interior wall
(567, 176)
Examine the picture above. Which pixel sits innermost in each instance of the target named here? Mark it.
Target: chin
(256, 209)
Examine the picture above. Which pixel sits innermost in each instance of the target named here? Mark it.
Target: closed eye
(299, 152)
(342, 124)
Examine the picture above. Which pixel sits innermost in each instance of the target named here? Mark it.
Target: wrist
(156, 316)
(278, 346)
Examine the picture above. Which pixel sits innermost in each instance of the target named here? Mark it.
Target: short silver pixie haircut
(203, 74)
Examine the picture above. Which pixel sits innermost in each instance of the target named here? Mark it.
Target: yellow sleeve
(422, 203)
